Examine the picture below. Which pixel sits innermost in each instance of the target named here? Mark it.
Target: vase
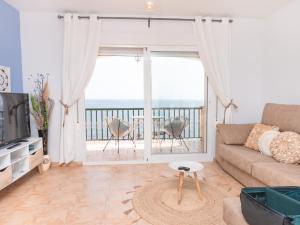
(46, 159)
(45, 165)
(44, 135)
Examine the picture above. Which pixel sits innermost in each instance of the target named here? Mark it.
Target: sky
(119, 77)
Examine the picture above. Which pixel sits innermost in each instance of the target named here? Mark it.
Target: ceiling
(233, 8)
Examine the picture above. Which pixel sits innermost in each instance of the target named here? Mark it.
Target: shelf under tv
(18, 161)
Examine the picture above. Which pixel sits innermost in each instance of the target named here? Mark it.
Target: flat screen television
(14, 118)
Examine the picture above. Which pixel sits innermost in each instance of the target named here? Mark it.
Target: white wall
(281, 71)
(42, 44)
(247, 70)
(41, 39)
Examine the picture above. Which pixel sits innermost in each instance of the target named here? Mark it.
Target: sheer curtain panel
(214, 46)
(81, 44)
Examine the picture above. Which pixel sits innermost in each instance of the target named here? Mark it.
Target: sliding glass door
(158, 98)
(115, 107)
(177, 103)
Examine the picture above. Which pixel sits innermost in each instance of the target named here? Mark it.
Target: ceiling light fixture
(149, 5)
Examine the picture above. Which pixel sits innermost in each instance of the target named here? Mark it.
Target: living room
(150, 112)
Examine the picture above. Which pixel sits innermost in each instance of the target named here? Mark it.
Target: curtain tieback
(231, 103)
(66, 109)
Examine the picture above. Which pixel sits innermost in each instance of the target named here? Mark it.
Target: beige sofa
(250, 167)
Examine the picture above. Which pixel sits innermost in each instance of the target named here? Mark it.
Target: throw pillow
(256, 132)
(286, 147)
(265, 140)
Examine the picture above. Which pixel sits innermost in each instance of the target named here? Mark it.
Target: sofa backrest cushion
(286, 117)
(234, 134)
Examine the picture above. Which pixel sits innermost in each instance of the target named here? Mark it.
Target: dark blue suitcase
(271, 205)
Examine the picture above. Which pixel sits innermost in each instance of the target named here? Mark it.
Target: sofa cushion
(234, 134)
(285, 147)
(277, 174)
(256, 132)
(286, 117)
(242, 157)
(265, 141)
(244, 178)
(232, 212)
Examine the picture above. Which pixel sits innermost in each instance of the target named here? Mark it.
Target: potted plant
(41, 109)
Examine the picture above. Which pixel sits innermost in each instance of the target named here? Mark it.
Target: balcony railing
(96, 127)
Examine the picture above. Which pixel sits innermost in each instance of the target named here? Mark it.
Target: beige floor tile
(90, 195)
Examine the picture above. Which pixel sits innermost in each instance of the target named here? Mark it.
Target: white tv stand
(19, 160)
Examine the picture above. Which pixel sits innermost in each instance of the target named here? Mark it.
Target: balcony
(98, 133)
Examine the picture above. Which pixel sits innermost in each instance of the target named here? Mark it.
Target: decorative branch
(41, 104)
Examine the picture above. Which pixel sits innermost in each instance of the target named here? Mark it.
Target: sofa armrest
(233, 134)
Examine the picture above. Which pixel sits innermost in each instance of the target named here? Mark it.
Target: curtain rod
(145, 18)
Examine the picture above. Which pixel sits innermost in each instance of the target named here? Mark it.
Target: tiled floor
(89, 195)
(95, 153)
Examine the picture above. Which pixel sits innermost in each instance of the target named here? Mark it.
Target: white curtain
(81, 43)
(214, 46)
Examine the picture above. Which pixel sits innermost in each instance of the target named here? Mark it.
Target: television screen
(14, 117)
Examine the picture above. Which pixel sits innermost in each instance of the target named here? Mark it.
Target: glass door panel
(115, 107)
(178, 103)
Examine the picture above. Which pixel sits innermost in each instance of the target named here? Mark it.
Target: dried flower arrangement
(41, 105)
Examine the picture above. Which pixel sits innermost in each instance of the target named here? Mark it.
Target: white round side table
(194, 168)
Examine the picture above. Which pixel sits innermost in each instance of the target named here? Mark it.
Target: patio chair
(119, 129)
(174, 128)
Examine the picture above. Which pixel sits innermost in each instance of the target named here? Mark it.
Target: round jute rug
(157, 204)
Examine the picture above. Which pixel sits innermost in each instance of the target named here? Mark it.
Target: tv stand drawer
(36, 158)
(5, 177)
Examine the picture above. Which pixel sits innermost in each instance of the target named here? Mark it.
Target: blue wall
(10, 44)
